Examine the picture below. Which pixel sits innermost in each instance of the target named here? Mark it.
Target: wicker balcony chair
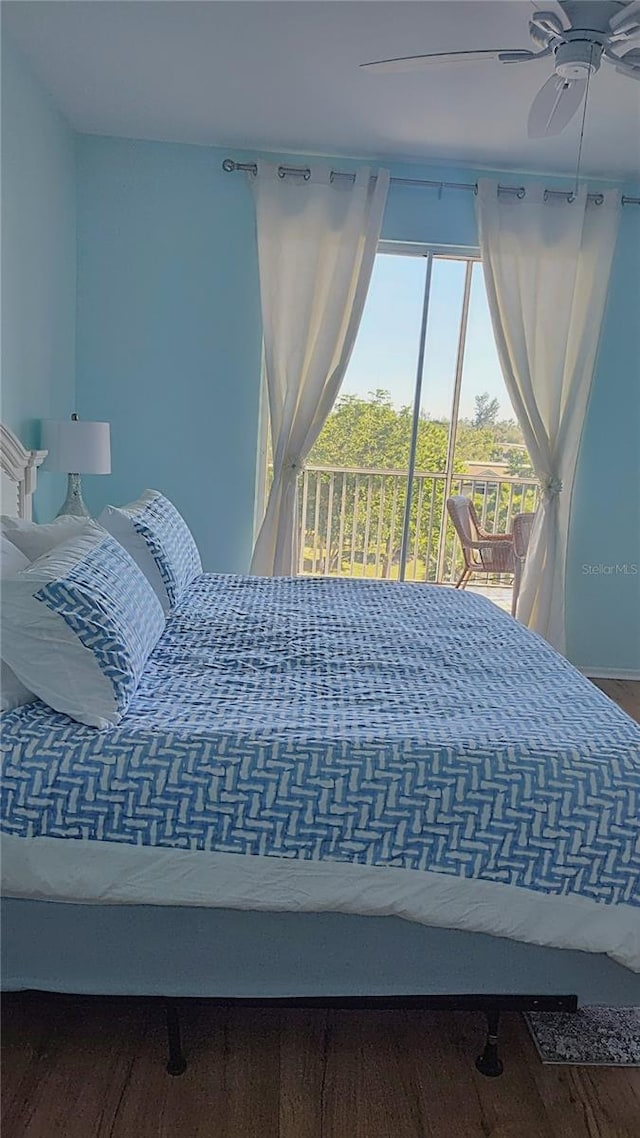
(522, 526)
(483, 552)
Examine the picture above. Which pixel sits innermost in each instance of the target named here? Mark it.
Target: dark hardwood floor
(626, 693)
(83, 1069)
(95, 1069)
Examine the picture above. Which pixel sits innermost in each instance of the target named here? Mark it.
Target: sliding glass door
(423, 413)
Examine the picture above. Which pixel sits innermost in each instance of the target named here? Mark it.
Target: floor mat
(603, 1037)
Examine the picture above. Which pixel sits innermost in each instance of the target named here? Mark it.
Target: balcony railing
(351, 521)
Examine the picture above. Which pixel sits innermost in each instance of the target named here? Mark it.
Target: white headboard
(18, 473)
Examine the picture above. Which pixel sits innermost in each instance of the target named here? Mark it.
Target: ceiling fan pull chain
(584, 116)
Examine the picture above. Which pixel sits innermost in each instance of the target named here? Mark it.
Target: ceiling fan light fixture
(578, 59)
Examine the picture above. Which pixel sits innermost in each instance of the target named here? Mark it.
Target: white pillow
(12, 559)
(78, 626)
(118, 523)
(13, 693)
(156, 535)
(34, 539)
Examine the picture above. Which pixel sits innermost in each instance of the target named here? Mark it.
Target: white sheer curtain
(317, 241)
(547, 262)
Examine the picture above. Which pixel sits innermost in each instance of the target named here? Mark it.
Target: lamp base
(73, 503)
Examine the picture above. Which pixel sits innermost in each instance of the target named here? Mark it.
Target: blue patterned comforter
(382, 724)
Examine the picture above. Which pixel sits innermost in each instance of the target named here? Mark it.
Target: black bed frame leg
(488, 1063)
(177, 1064)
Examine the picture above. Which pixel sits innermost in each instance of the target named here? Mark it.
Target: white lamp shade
(75, 446)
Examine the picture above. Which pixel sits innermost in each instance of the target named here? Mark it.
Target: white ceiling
(284, 76)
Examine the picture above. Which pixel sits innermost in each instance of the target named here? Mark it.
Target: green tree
(519, 462)
(371, 435)
(486, 410)
(368, 433)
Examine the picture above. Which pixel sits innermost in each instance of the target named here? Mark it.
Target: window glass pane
(441, 353)
(439, 370)
(351, 512)
(381, 371)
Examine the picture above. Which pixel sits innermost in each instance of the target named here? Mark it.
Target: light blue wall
(38, 262)
(169, 335)
(169, 351)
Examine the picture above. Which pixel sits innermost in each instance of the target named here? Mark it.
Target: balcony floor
(499, 594)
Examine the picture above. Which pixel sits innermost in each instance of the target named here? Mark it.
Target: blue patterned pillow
(156, 535)
(78, 627)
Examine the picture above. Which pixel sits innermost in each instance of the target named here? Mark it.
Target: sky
(386, 351)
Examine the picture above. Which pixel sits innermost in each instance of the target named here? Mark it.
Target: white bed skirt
(105, 873)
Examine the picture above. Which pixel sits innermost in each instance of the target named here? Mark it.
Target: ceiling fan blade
(631, 31)
(538, 36)
(416, 62)
(548, 22)
(523, 56)
(556, 7)
(627, 64)
(627, 20)
(632, 57)
(554, 106)
(630, 69)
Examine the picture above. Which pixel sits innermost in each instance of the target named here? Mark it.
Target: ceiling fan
(575, 37)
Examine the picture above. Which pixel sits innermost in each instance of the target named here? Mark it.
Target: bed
(331, 790)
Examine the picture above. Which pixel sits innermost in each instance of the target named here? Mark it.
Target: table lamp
(76, 447)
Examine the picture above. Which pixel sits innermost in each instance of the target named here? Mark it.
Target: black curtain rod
(229, 166)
